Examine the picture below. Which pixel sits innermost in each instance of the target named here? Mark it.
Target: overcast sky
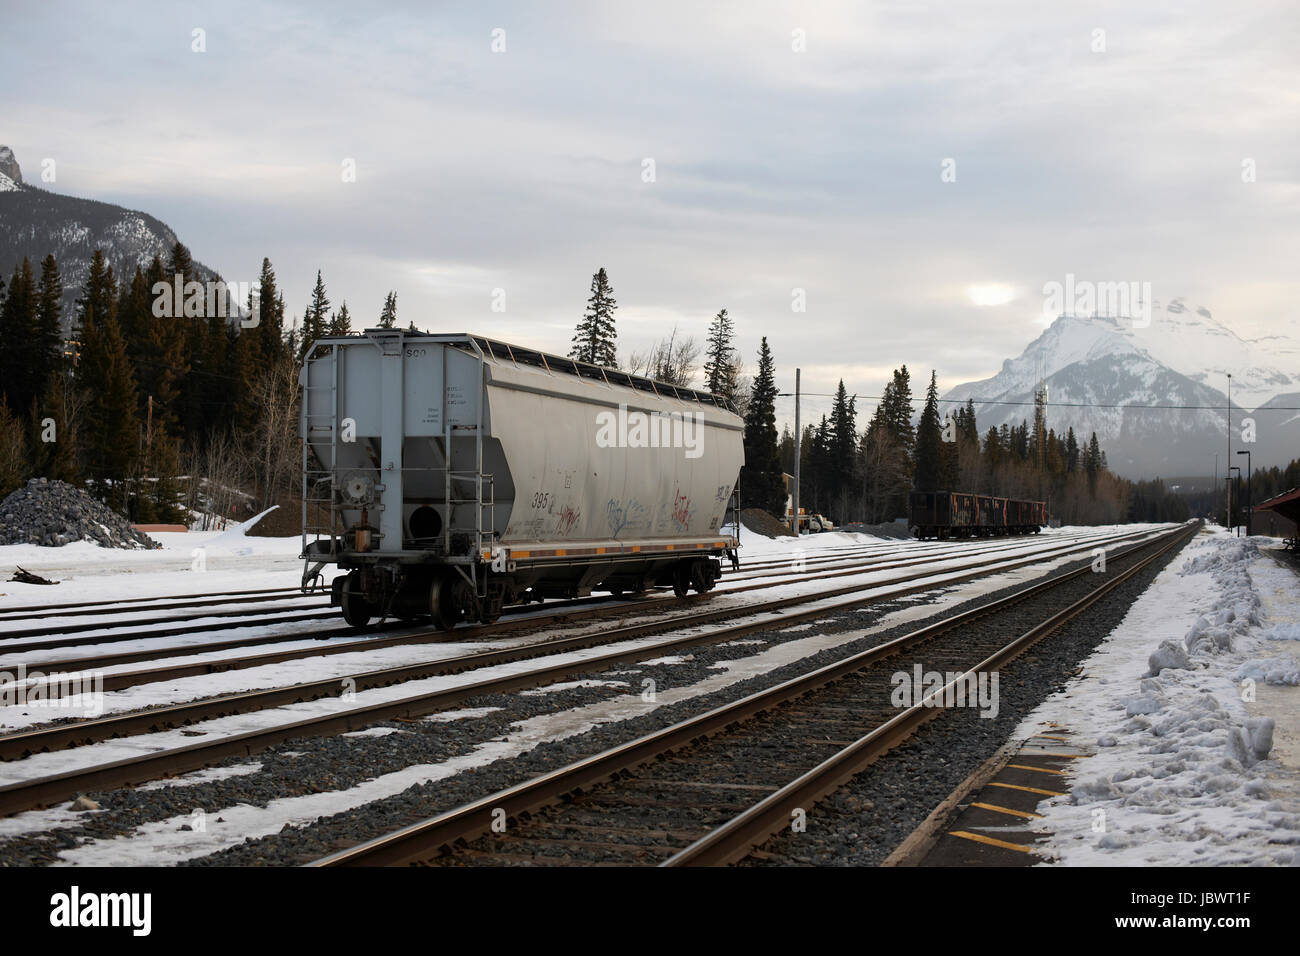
(1113, 155)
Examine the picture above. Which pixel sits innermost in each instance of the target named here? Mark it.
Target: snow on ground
(164, 842)
(1185, 703)
(337, 666)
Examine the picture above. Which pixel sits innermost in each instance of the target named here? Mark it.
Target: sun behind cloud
(991, 293)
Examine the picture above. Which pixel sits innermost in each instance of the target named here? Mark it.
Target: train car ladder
(318, 497)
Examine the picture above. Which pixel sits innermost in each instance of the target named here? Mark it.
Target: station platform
(990, 819)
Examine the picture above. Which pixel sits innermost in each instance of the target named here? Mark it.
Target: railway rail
(40, 791)
(522, 617)
(644, 801)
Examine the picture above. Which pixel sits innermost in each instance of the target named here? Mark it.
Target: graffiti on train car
(567, 519)
(620, 517)
(681, 512)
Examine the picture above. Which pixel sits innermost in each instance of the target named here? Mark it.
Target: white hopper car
(453, 475)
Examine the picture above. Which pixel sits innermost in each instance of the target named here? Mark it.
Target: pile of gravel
(53, 513)
(760, 522)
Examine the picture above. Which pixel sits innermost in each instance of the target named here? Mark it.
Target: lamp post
(1228, 523)
(1231, 469)
(1250, 500)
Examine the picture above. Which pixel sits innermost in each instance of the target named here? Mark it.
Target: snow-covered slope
(1205, 350)
(1103, 375)
(35, 222)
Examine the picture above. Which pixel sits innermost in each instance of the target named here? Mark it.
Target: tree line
(160, 408)
(189, 411)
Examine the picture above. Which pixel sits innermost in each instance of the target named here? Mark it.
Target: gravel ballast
(315, 765)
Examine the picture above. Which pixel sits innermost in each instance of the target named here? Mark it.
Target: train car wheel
(442, 604)
(682, 580)
(357, 611)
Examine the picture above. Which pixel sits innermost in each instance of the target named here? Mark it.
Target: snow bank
(1184, 772)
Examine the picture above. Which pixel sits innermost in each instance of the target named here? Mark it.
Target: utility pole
(794, 500)
(1228, 523)
(1250, 500)
(1231, 469)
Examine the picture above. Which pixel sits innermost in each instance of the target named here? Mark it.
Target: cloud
(775, 169)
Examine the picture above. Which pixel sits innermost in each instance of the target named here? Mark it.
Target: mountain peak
(1148, 389)
(9, 165)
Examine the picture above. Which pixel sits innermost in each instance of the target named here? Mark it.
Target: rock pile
(53, 513)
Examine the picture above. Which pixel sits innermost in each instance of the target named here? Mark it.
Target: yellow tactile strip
(995, 822)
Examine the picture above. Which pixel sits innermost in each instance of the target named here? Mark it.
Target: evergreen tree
(720, 367)
(313, 321)
(595, 339)
(160, 358)
(898, 410)
(19, 337)
(1092, 463)
(841, 453)
(270, 319)
(49, 321)
(341, 321)
(388, 317)
(761, 485)
(1071, 452)
(104, 374)
(55, 459)
(948, 470)
(929, 441)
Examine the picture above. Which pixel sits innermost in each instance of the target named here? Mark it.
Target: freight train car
(452, 475)
(955, 514)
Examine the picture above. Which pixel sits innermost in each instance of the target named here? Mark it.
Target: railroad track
(524, 617)
(153, 763)
(701, 791)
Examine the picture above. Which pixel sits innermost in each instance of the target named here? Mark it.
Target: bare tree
(273, 444)
(673, 360)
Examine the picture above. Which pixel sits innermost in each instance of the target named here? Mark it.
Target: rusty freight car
(957, 514)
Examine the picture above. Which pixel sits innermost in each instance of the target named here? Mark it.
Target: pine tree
(898, 410)
(761, 484)
(341, 321)
(270, 317)
(842, 443)
(1071, 452)
(388, 318)
(104, 374)
(721, 369)
(1092, 463)
(160, 360)
(595, 339)
(49, 321)
(313, 321)
(55, 459)
(18, 335)
(929, 442)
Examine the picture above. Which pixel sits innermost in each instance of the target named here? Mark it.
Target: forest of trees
(163, 416)
(867, 477)
(194, 409)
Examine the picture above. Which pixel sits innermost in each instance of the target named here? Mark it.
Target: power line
(995, 401)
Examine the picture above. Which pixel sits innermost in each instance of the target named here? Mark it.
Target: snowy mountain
(35, 223)
(1103, 375)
